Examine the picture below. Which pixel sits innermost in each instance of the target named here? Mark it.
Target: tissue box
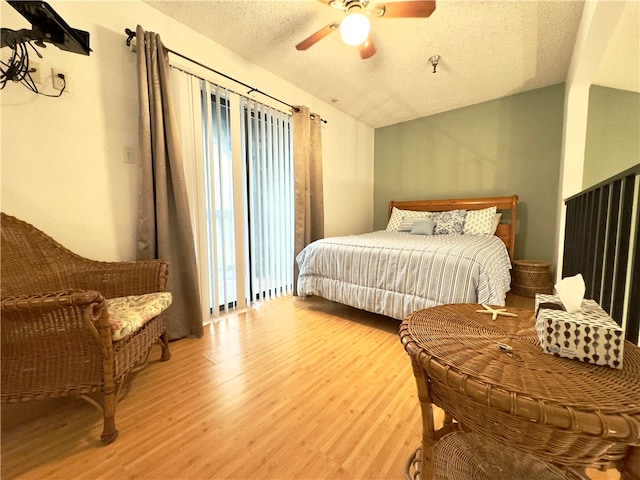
(590, 335)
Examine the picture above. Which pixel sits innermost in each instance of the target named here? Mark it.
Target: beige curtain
(307, 168)
(164, 223)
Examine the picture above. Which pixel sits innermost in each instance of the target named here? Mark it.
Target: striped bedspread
(396, 273)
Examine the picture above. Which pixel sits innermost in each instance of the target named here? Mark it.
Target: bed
(432, 252)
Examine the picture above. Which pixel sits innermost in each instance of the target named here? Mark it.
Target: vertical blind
(241, 193)
(218, 190)
(269, 157)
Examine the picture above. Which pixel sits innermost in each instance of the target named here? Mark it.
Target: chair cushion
(128, 314)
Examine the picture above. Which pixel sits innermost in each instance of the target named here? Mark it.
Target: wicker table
(563, 411)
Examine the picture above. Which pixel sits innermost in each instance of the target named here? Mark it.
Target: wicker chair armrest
(119, 279)
(42, 318)
(51, 300)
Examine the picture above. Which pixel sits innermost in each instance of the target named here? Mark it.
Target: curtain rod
(131, 34)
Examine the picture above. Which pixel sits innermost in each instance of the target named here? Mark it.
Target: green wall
(507, 146)
(613, 134)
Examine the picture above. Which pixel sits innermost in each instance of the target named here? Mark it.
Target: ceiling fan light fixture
(354, 29)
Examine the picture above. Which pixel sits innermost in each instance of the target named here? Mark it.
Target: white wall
(597, 26)
(63, 166)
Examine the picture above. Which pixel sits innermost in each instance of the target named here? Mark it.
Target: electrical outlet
(60, 79)
(34, 71)
(129, 154)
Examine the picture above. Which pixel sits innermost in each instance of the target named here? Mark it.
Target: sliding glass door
(239, 164)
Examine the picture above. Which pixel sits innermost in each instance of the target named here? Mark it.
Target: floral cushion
(449, 222)
(128, 314)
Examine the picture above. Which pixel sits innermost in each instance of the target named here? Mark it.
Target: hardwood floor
(289, 389)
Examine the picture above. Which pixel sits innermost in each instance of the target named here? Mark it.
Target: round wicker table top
(500, 363)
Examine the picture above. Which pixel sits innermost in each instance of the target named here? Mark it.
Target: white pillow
(496, 222)
(398, 215)
(480, 222)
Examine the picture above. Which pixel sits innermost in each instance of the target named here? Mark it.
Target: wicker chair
(56, 333)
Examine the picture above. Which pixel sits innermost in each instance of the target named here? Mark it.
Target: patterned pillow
(398, 215)
(407, 223)
(479, 222)
(128, 314)
(450, 222)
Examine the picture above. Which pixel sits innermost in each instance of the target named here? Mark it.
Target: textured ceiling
(488, 49)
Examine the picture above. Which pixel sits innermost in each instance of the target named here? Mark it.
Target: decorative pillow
(407, 223)
(423, 227)
(450, 222)
(128, 314)
(479, 222)
(496, 222)
(398, 215)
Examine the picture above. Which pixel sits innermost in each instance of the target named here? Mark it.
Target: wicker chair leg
(427, 459)
(164, 342)
(109, 432)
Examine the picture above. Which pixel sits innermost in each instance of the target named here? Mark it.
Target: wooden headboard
(506, 230)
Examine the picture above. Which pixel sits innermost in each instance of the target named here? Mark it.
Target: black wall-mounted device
(46, 26)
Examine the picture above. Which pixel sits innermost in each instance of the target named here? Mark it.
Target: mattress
(397, 273)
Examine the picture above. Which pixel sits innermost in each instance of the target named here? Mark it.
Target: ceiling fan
(355, 28)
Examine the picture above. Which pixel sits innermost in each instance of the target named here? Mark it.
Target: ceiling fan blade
(416, 8)
(316, 37)
(367, 49)
(338, 4)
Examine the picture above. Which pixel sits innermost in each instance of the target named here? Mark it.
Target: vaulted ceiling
(488, 49)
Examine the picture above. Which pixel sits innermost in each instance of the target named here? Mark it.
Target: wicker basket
(530, 277)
